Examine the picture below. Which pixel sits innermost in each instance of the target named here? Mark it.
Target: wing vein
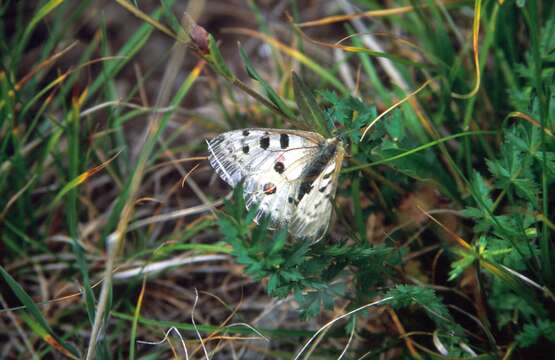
(219, 163)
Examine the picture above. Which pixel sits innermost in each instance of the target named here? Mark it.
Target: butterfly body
(290, 175)
(325, 153)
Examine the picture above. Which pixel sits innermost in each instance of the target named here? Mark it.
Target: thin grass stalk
(129, 195)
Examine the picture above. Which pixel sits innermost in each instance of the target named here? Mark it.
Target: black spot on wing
(245, 133)
(265, 142)
(304, 189)
(246, 149)
(284, 141)
(279, 167)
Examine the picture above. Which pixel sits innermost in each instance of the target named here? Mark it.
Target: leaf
(507, 178)
(472, 212)
(531, 333)
(509, 302)
(46, 9)
(339, 110)
(273, 283)
(481, 213)
(217, 60)
(528, 189)
(513, 168)
(279, 241)
(394, 126)
(482, 190)
(308, 108)
(528, 141)
(297, 256)
(37, 322)
(422, 166)
(466, 259)
(406, 295)
(291, 276)
(270, 93)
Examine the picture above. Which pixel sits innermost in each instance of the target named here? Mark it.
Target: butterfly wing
(269, 162)
(312, 215)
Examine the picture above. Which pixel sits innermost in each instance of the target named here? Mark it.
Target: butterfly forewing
(236, 154)
(272, 164)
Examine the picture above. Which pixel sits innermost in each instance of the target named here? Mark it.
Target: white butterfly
(291, 175)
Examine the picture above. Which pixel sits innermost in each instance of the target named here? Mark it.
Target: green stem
(531, 15)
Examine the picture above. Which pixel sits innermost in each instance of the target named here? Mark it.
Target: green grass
(443, 212)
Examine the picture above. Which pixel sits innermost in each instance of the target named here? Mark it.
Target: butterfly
(291, 175)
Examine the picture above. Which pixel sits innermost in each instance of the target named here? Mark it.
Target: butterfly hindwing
(313, 212)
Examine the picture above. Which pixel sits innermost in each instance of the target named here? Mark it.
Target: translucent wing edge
(217, 165)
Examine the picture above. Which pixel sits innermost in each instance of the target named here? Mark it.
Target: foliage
(532, 333)
(451, 333)
(512, 238)
(315, 274)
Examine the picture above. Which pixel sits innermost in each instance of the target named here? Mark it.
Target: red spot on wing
(269, 188)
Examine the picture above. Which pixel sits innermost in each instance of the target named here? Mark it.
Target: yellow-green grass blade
(36, 320)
